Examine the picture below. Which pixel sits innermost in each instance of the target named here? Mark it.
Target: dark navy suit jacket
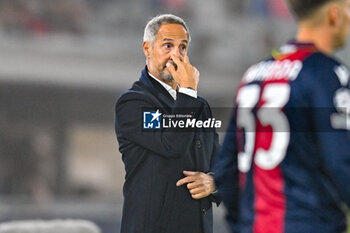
(155, 160)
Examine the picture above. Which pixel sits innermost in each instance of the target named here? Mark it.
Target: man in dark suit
(168, 186)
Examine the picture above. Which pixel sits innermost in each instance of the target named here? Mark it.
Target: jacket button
(203, 210)
(198, 144)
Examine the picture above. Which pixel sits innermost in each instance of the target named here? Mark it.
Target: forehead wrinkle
(172, 36)
(169, 39)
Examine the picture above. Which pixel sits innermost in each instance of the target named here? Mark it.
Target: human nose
(176, 52)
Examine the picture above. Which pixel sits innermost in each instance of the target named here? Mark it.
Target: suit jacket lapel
(156, 88)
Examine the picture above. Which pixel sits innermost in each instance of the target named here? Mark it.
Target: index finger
(176, 59)
(185, 180)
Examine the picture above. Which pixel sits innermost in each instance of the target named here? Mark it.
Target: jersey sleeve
(330, 103)
(227, 175)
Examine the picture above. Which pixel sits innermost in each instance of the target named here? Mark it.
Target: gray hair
(154, 24)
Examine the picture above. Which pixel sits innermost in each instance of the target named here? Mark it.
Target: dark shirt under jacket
(155, 160)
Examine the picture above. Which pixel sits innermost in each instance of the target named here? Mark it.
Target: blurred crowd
(41, 17)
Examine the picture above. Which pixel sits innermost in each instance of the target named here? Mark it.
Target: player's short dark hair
(304, 8)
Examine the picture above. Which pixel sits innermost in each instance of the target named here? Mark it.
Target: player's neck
(318, 36)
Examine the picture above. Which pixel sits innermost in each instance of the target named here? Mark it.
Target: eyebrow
(168, 39)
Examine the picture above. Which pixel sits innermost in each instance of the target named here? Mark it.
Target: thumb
(170, 67)
(186, 60)
(189, 173)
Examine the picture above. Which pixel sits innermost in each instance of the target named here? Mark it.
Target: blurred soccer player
(288, 143)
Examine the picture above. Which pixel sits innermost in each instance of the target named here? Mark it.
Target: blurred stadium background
(63, 63)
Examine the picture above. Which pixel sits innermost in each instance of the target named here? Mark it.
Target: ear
(147, 49)
(334, 15)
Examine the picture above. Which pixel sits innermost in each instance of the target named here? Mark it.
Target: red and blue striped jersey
(285, 162)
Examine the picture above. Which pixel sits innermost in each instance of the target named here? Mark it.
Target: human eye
(183, 47)
(167, 45)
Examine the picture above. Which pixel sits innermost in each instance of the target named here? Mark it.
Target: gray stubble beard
(166, 77)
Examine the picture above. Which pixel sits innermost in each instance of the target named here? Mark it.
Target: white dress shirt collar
(167, 87)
